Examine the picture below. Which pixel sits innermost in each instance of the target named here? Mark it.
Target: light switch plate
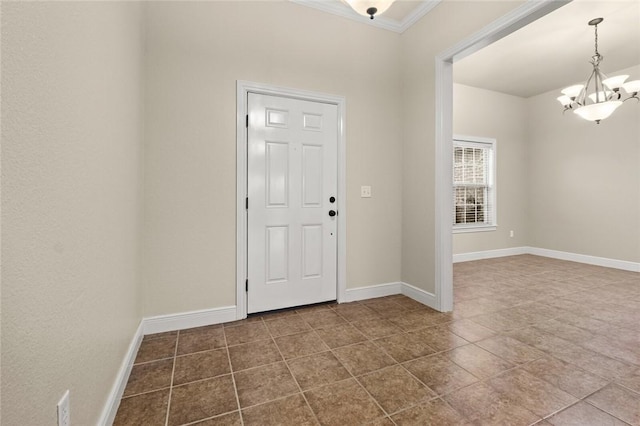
(365, 192)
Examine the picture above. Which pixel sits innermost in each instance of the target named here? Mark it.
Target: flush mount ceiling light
(370, 7)
(600, 96)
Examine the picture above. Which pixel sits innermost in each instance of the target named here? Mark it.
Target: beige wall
(195, 52)
(484, 113)
(443, 27)
(584, 179)
(72, 168)
(70, 204)
(581, 180)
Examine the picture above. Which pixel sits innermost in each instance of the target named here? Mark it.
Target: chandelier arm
(581, 99)
(598, 84)
(605, 89)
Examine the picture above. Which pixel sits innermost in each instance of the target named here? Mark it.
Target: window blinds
(472, 184)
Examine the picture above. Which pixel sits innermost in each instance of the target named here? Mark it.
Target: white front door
(292, 196)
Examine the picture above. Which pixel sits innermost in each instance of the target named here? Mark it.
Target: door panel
(277, 261)
(292, 173)
(311, 251)
(311, 176)
(277, 159)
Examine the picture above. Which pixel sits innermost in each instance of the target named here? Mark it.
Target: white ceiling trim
(503, 26)
(341, 9)
(417, 13)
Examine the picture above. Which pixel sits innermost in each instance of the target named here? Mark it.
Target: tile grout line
(555, 358)
(280, 398)
(637, 392)
(402, 331)
(580, 344)
(153, 360)
(599, 408)
(284, 360)
(292, 394)
(331, 350)
(548, 416)
(173, 370)
(438, 396)
(414, 405)
(401, 365)
(204, 379)
(486, 381)
(208, 418)
(233, 378)
(578, 367)
(371, 339)
(502, 372)
(386, 415)
(480, 380)
(607, 412)
(145, 392)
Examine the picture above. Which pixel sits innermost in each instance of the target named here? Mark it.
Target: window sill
(466, 229)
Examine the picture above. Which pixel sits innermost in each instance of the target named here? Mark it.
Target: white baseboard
(117, 390)
(489, 254)
(372, 291)
(554, 254)
(583, 258)
(158, 324)
(171, 322)
(420, 295)
(390, 289)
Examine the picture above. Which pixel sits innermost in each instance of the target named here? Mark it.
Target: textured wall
(484, 113)
(72, 164)
(195, 53)
(443, 27)
(585, 179)
(563, 183)
(70, 204)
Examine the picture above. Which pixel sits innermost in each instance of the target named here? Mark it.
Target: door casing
(243, 88)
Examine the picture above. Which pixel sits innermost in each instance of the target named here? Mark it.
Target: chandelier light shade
(370, 8)
(600, 96)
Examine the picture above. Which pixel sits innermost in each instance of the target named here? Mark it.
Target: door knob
(332, 213)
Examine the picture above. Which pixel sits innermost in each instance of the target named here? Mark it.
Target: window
(474, 198)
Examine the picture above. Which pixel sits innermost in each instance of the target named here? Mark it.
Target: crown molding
(340, 9)
(425, 7)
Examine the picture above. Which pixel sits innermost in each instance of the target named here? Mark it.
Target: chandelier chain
(596, 40)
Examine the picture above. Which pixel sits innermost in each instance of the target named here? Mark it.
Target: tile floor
(531, 341)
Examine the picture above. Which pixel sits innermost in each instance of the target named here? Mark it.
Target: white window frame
(492, 206)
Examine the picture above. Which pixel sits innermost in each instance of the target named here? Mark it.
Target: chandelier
(600, 96)
(370, 7)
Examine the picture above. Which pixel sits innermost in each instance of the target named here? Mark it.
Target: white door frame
(242, 90)
(509, 23)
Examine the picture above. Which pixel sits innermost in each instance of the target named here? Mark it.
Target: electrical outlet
(365, 192)
(64, 415)
(511, 234)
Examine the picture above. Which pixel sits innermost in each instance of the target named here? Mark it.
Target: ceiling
(553, 52)
(398, 18)
(401, 9)
(550, 53)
